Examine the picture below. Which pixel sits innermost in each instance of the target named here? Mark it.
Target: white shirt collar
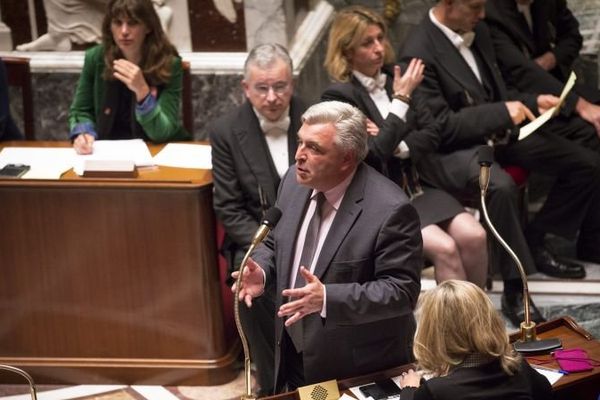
(456, 39)
(274, 127)
(371, 84)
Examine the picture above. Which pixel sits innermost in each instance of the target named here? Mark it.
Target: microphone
(486, 159)
(529, 342)
(270, 219)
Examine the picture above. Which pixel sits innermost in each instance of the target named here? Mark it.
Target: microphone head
(486, 155)
(272, 217)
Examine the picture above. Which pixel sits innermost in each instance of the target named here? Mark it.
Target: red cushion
(518, 174)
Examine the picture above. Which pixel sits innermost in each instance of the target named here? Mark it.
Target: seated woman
(401, 127)
(8, 128)
(462, 341)
(130, 86)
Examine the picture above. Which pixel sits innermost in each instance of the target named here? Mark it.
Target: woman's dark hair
(157, 51)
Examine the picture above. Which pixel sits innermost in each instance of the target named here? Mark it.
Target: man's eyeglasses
(278, 88)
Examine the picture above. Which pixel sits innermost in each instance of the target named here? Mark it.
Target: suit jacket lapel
(294, 217)
(454, 63)
(346, 216)
(253, 147)
(368, 103)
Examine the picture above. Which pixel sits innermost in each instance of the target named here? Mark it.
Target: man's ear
(245, 86)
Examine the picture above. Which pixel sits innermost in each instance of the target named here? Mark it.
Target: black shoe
(549, 264)
(513, 309)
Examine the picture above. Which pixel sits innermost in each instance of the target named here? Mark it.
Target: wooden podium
(113, 280)
(580, 386)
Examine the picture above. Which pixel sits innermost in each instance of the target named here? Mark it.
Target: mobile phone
(13, 170)
(381, 390)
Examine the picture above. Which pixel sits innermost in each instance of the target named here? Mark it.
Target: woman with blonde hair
(462, 341)
(130, 85)
(402, 133)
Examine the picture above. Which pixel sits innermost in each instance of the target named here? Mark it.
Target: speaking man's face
(320, 163)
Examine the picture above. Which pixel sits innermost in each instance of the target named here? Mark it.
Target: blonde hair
(457, 319)
(345, 34)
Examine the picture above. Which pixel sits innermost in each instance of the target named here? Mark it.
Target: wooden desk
(106, 281)
(580, 386)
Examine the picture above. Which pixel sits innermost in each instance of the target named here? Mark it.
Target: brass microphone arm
(240, 328)
(527, 326)
(25, 375)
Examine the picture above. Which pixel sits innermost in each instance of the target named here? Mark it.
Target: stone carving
(226, 9)
(79, 21)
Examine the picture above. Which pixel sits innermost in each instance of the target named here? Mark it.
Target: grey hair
(349, 122)
(264, 55)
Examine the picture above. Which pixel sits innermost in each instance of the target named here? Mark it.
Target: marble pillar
(5, 37)
(265, 22)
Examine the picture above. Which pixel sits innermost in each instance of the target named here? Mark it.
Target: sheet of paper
(536, 123)
(183, 155)
(134, 149)
(551, 375)
(542, 119)
(45, 162)
(568, 86)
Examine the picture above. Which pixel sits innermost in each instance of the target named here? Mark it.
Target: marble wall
(217, 90)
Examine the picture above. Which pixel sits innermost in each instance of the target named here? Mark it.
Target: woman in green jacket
(130, 86)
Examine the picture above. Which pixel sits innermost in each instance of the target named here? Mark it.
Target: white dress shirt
(525, 9)
(461, 43)
(333, 199)
(277, 139)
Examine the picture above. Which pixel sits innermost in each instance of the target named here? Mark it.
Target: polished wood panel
(113, 280)
(580, 386)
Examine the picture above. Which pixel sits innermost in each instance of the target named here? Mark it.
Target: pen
(550, 369)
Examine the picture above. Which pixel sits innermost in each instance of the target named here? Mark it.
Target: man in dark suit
(464, 89)
(252, 147)
(345, 257)
(536, 44)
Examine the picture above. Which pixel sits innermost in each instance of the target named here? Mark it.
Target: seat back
(18, 74)
(186, 98)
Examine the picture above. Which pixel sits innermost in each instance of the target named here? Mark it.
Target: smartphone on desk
(13, 170)
(381, 390)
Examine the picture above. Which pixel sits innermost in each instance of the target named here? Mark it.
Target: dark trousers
(577, 186)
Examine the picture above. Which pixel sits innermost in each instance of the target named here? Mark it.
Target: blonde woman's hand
(405, 83)
(410, 379)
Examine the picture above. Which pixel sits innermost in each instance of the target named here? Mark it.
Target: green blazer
(95, 101)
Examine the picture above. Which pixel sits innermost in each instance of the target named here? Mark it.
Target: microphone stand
(24, 375)
(269, 221)
(529, 342)
(240, 329)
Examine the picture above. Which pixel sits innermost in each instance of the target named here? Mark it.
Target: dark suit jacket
(488, 382)
(468, 113)
(241, 164)
(555, 30)
(370, 264)
(419, 131)
(8, 128)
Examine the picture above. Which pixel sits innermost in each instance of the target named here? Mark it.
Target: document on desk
(552, 112)
(116, 150)
(183, 155)
(44, 162)
(551, 375)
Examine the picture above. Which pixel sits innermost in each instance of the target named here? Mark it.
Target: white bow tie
(468, 38)
(281, 125)
(372, 84)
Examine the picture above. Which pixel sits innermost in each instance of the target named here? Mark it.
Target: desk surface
(158, 176)
(580, 386)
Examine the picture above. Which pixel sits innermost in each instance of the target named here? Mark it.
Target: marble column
(265, 22)
(5, 37)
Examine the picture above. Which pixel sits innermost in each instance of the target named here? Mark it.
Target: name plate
(109, 169)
